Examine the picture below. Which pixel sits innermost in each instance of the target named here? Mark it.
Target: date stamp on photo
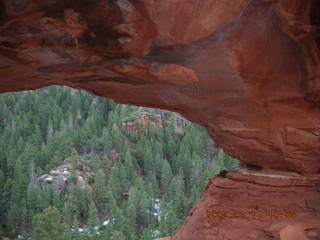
(251, 214)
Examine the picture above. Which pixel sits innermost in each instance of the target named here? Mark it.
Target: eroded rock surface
(247, 70)
(59, 178)
(245, 204)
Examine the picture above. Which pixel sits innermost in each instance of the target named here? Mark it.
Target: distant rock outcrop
(133, 127)
(59, 178)
(56, 179)
(156, 121)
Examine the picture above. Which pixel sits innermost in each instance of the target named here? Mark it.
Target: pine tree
(55, 198)
(197, 169)
(170, 148)
(96, 163)
(141, 146)
(68, 212)
(114, 182)
(180, 206)
(93, 220)
(106, 163)
(218, 163)
(172, 191)
(230, 162)
(111, 205)
(146, 234)
(116, 235)
(158, 149)
(99, 189)
(166, 176)
(131, 211)
(154, 183)
(49, 226)
(2, 189)
(31, 201)
(187, 170)
(169, 222)
(142, 203)
(107, 141)
(148, 162)
(204, 179)
(75, 158)
(124, 183)
(158, 161)
(74, 175)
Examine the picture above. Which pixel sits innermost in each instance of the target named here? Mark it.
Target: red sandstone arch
(247, 70)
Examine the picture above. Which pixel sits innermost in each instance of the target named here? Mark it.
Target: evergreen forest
(77, 166)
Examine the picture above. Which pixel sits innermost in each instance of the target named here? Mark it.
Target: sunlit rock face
(247, 70)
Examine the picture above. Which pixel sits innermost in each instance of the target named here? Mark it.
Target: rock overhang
(248, 72)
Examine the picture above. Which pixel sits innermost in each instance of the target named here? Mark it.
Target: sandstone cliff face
(246, 204)
(247, 70)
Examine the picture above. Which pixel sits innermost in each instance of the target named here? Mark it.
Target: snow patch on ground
(105, 223)
(156, 233)
(157, 208)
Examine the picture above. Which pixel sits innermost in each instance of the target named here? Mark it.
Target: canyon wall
(247, 70)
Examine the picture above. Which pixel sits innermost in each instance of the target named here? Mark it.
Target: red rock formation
(247, 70)
(133, 127)
(246, 204)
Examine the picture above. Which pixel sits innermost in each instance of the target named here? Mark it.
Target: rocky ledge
(258, 205)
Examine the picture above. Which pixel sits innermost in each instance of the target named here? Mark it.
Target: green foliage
(49, 226)
(117, 236)
(93, 219)
(100, 189)
(122, 174)
(166, 177)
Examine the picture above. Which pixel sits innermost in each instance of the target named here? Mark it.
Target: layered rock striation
(247, 70)
(256, 204)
